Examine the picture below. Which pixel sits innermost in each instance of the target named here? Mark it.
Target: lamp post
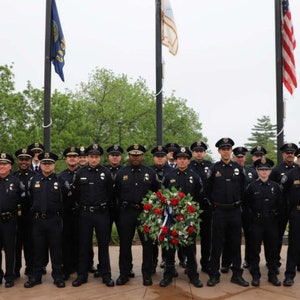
(120, 132)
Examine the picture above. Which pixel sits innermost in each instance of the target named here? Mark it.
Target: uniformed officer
(190, 183)
(132, 183)
(262, 200)
(288, 154)
(83, 160)
(24, 228)
(47, 209)
(161, 168)
(291, 190)
(201, 166)
(257, 153)
(37, 149)
(70, 216)
(10, 192)
(225, 187)
(94, 185)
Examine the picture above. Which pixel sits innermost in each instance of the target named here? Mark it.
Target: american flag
(288, 45)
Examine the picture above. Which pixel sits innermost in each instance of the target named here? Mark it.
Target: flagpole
(279, 86)
(47, 76)
(159, 97)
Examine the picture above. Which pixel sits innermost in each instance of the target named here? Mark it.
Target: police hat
(115, 150)
(36, 147)
(258, 151)
(47, 158)
(6, 158)
(289, 148)
(264, 164)
(94, 149)
(183, 152)
(24, 153)
(240, 151)
(199, 146)
(225, 143)
(73, 151)
(172, 147)
(297, 153)
(136, 149)
(159, 150)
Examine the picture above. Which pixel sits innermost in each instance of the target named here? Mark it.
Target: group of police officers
(44, 213)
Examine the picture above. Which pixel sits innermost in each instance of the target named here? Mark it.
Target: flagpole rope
(46, 126)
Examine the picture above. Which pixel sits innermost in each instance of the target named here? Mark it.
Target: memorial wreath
(170, 217)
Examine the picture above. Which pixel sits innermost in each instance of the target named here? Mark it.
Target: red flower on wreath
(175, 241)
(181, 195)
(157, 211)
(191, 209)
(158, 194)
(147, 206)
(174, 201)
(161, 237)
(179, 217)
(165, 229)
(163, 199)
(174, 232)
(146, 228)
(191, 229)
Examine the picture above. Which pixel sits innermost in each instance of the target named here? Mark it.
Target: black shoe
(167, 279)
(97, 274)
(239, 280)
(274, 280)
(182, 264)
(122, 280)
(288, 282)
(59, 283)
(212, 281)
(163, 264)
(79, 281)
(131, 274)
(9, 283)
(92, 269)
(196, 283)
(147, 281)
(108, 281)
(44, 271)
(255, 282)
(246, 265)
(32, 282)
(225, 269)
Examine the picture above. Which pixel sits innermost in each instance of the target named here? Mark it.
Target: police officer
(262, 200)
(37, 149)
(47, 211)
(94, 185)
(132, 183)
(258, 152)
(24, 228)
(291, 190)
(161, 168)
(70, 216)
(10, 192)
(288, 154)
(83, 160)
(189, 182)
(225, 187)
(201, 166)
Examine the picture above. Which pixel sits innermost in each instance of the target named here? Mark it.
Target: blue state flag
(58, 45)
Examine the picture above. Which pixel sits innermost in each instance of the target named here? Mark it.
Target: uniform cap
(115, 150)
(6, 158)
(136, 149)
(47, 158)
(240, 151)
(172, 147)
(159, 150)
(264, 164)
(289, 148)
(258, 151)
(199, 146)
(183, 152)
(74, 151)
(94, 149)
(225, 143)
(24, 153)
(36, 147)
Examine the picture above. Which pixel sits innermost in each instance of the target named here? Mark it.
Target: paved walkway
(180, 289)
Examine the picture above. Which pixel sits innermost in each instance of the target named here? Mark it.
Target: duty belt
(40, 215)
(265, 214)
(227, 205)
(92, 209)
(136, 206)
(8, 215)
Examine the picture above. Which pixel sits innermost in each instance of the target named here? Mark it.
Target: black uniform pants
(226, 224)
(263, 230)
(88, 221)
(8, 231)
(47, 236)
(128, 224)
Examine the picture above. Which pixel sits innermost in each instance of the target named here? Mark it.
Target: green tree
(263, 134)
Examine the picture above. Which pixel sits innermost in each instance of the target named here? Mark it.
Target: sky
(224, 68)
